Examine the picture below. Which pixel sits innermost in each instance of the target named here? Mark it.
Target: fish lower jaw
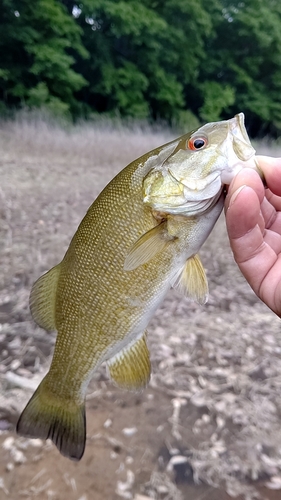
(228, 175)
(191, 208)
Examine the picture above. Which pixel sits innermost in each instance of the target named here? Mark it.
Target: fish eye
(196, 143)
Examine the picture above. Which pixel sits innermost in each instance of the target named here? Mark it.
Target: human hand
(253, 220)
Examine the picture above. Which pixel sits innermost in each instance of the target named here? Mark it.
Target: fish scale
(140, 237)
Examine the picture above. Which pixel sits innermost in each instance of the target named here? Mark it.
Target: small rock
(129, 431)
(160, 428)
(36, 443)
(8, 444)
(174, 451)
(107, 423)
(18, 456)
(142, 497)
(123, 487)
(162, 489)
(15, 364)
(274, 483)
(23, 372)
(176, 460)
(25, 383)
(3, 487)
(206, 418)
(15, 343)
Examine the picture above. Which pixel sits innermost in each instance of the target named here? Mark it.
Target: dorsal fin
(147, 246)
(130, 368)
(43, 299)
(192, 281)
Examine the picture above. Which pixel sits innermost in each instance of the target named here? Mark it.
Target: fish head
(190, 180)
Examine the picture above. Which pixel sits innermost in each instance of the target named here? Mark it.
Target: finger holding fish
(254, 226)
(271, 168)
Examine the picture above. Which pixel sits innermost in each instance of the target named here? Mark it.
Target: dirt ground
(114, 463)
(209, 424)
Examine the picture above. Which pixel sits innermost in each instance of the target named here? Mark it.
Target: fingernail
(235, 194)
(270, 160)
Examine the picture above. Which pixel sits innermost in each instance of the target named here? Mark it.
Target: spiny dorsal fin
(130, 368)
(43, 299)
(192, 281)
(47, 416)
(147, 246)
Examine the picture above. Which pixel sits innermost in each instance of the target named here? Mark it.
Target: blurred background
(178, 61)
(84, 90)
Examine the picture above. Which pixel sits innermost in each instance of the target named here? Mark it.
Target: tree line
(179, 61)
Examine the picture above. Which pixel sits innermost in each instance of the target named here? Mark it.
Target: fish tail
(47, 416)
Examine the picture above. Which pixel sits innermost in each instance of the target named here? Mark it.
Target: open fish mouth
(239, 139)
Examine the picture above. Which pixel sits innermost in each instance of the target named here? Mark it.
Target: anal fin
(43, 299)
(130, 368)
(192, 281)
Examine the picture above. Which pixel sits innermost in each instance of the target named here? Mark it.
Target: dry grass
(49, 176)
(231, 362)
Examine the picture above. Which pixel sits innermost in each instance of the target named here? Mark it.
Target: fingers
(245, 229)
(243, 213)
(271, 167)
(253, 219)
(246, 177)
(273, 199)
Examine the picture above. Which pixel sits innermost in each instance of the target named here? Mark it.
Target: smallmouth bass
(140, 237)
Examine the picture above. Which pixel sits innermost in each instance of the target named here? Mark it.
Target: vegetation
(178, 60)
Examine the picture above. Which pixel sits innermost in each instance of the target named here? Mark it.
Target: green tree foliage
(37, 47)
(175, 60)
(142, 54)
(245, 58)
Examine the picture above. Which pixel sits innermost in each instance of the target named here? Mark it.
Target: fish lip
(193, 183)
(238, 136)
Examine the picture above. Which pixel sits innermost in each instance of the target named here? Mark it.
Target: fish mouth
(198, 185)
(238, 136)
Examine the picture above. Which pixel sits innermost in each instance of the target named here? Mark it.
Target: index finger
(271, 167)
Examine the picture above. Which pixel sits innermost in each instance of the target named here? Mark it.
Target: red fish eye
(196, 143)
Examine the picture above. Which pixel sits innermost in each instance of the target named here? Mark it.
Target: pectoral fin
(192, 281)
(147, 246)
(130, 368)
(43, 299)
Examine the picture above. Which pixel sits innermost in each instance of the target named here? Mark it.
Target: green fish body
(140, 237)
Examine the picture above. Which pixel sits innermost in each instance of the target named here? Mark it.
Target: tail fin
(48, 417)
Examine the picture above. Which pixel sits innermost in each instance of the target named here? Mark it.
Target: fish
(139, 238)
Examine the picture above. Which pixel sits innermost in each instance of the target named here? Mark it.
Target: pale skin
(253, 219)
